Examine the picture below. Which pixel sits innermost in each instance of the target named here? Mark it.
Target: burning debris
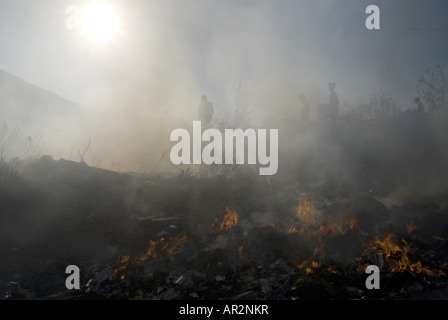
(229, 221)
(310, 249)
(397, 256)
(304, 218)
(164, 247)
(304, 269)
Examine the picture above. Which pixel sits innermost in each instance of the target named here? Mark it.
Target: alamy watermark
(229, 149)
(73, 280)
(373, 281)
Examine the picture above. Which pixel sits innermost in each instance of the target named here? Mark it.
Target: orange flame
(351, 222)
(400, 254)
(411, 226)
(304, 216)
(362, 267)
(230, 220)
(164, 247)
(405, 264)
(308, 266)
(119, 272)
(330, 228)
(308, 220)
(387, 246)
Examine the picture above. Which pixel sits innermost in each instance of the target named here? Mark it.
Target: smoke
(256, 55)
(172, 54)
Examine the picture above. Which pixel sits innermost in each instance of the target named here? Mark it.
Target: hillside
(36, 113)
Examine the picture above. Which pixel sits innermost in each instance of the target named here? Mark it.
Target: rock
(169, 294)
(242, 295)
(353, 291)
(99, 280)
(219, 278)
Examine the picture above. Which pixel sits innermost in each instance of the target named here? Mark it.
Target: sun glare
(100, 21)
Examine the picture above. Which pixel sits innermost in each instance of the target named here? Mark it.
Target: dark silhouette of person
(305, 111)
(420, 107)
(333, 104)
(205, 111)
(330, 110)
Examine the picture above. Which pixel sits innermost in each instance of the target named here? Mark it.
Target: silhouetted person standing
(333, 104)
(205, 111)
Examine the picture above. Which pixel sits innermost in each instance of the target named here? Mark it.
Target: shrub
(433, 89)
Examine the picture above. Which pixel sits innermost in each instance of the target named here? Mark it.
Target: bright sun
(100, 21)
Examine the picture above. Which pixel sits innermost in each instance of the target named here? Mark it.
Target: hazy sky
(178, 50)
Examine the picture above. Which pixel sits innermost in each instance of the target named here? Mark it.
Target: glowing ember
(124, 259)
(332, 269)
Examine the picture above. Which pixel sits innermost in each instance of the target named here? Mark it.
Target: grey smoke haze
(149, 80)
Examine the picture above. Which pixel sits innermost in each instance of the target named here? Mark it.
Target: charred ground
(347, 194)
